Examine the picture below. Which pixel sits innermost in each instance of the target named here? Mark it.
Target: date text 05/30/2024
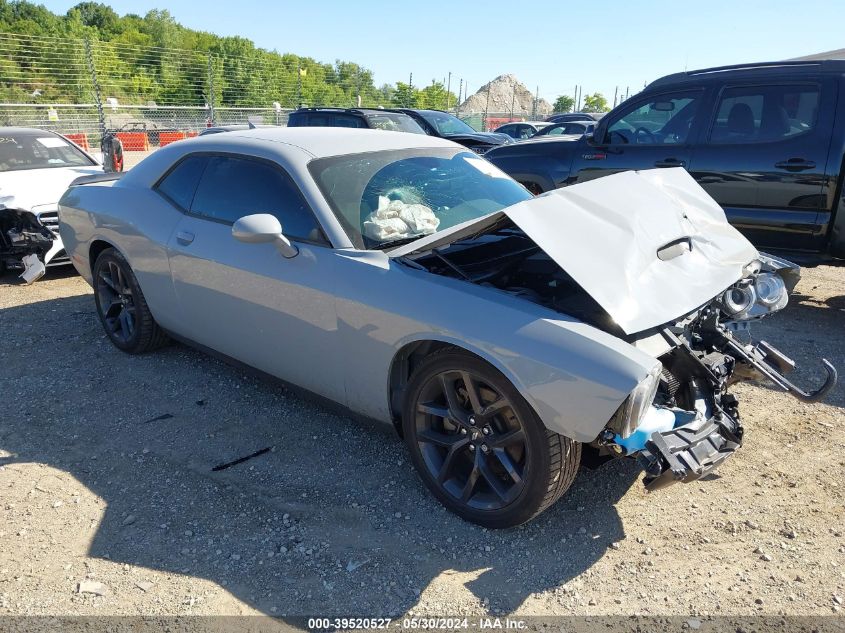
(423, 624)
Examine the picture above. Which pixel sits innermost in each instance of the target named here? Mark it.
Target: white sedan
(36, 167)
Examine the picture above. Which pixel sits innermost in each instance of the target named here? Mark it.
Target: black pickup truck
(767, 141)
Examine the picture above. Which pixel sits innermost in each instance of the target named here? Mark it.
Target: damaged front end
(650, 258)
(692, 423)
(26, 243)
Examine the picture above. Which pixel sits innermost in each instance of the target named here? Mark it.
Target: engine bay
(507, 259)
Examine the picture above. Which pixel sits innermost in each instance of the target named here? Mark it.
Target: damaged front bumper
(688, 434)
(690, 451)
(30, 241)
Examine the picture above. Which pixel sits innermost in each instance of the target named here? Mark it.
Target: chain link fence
(148, 95)
(151, 96)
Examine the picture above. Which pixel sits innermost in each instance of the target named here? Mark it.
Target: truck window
(662, 119)
(755, 114)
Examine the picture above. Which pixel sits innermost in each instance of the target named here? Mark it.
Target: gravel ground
(106, 484)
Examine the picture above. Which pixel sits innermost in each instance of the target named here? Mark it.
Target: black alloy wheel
(121, 305)
(471, 440)
(479, 447)
(116, 302)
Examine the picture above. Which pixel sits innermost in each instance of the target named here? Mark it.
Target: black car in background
(448, 126)
(376, 119)
(575, 116)
(520, 130)
(767, 141)
(567, 128)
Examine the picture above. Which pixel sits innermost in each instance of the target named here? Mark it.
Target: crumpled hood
(30, 188)
(648, 246)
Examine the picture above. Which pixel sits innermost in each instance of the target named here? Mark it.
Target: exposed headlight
(639, 401)
(771, 291)
(753, 298)
(738, 300)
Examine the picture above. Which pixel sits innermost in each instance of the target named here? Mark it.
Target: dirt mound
(506, 94)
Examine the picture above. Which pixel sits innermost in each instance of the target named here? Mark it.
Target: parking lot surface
(108, 484)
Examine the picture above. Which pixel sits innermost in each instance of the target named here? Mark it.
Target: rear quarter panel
(134, 220)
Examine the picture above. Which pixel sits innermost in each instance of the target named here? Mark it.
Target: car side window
(346, 120)
(661, 120)
(317, 120)
(180, 184)
(756, 114)
(507, 129)
(232, 187)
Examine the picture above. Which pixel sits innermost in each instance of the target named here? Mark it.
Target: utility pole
(299, 83)
(358, 79)
(210, 92)
(486, 109)
(408, 104)
(615, 92)
(513, 100)
(92, 69)
(460, 88)
(626, 92)
(536, 100)
(448, 89)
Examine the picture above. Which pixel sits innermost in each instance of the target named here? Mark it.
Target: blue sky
(599, 45)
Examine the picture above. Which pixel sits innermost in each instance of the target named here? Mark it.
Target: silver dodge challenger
(412, 282)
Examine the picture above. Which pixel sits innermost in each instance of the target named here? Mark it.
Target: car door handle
(670, 162)
(184, 237)
(795, 164)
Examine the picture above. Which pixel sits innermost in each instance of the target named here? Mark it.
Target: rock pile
(506, 93)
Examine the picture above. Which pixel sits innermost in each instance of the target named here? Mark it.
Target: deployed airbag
(395, 219)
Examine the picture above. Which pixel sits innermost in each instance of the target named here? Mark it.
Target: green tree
(98, 16)
(155, 59)
(564, 103)
(405, 96)
(595, 103)
(435, 97)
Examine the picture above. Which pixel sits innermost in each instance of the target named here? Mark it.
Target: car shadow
(331, 519)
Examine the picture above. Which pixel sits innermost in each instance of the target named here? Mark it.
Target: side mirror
(596, 137)
(261, 228)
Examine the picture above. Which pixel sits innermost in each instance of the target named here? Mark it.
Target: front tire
(479, 447)
(121, 306)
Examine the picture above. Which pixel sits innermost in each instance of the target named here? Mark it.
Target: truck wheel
(121, 306)
(479, 447)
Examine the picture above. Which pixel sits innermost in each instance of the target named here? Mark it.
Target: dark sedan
(448, 126)
(568, 128)
(519, 130)
(575, 116)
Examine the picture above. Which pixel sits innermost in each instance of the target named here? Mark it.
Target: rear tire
(121, 306)
(478, 445)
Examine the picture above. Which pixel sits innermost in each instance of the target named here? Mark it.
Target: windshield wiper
(399, 242)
